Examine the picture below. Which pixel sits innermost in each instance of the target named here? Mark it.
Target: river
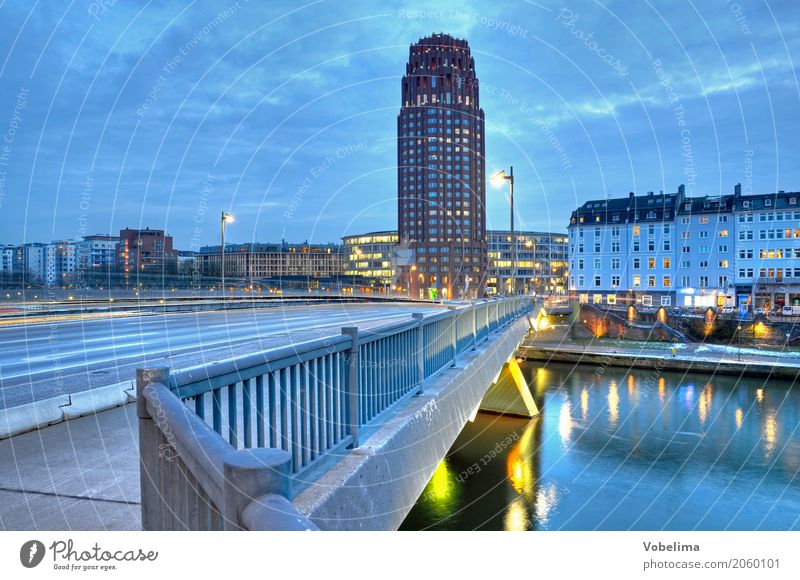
(619, 449)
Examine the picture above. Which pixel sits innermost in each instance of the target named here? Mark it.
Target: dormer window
(768, 202)
(792, 201)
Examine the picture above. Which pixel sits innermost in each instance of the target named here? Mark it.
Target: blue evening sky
(162, 114)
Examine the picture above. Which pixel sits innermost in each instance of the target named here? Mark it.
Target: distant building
(541, 262)
(29, 259)
(275, 261)
(6, 260)
(146, 252)
(369, 258)
(441, 170)
(59, 266)
(96, 253)
(669, 249)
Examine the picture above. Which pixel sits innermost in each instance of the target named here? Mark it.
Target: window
(703, 234)
(723, 263)
(597, 281)
(666, 301)
(637, 280)
(615, 281)
(703, 281)
(611, 298)
(636, 263)
(704, 220)
(651, 281)
(635, 245)
(667, 245)
(647, 300)
(635, 230)
(615, 264)
(651, 245)
(667, 263)
(703, 264)
(596, 264)
(597, 247)
(685, 281)
(723, 233)
(615, 245)
(722, 248)
(667, 281)
(685, 235)
(580, 264)
(580, 281)
(615, 232)
(651, 263)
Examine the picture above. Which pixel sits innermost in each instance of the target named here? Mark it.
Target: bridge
(340, 432)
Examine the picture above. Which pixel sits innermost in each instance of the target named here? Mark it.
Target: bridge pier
(510, 394)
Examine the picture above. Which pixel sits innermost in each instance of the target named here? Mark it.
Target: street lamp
(226, 218)
(497, 180)
(356, 254)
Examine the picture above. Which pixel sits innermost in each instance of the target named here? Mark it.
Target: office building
(276, 261)
(369, 259)
(541, 262)
(441, 170)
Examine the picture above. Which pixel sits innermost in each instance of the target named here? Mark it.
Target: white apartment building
(670, 250)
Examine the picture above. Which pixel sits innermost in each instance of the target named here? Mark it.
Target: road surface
(38, 361)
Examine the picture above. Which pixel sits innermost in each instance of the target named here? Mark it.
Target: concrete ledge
(666, 362)
(96, 400)
(375, 486)
(24, 418)
(32, 416)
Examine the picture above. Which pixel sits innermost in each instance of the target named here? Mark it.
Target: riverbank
(555, 345)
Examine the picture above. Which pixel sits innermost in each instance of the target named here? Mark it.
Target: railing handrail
(204, 377)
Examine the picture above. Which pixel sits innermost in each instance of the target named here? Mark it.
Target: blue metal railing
(310, 399)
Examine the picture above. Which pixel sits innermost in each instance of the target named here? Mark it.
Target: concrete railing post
(474, 317)
(352, 383)
(454, 332)
(420, 349)
(151, 496)
(249, 474)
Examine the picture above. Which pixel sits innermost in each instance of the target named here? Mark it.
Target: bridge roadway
(38, 361)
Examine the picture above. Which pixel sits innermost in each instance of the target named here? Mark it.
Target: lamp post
(226, 218)
(497, 180)
(356, 254)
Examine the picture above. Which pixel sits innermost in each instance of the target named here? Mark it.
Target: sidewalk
(77, 475)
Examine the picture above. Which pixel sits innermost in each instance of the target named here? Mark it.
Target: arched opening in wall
(632, 314)
(661, 315)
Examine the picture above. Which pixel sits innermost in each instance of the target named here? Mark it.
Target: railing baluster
(199, 405)
(246, 409)
(297, 421)
(285, 381)
(273, 396)
(260, 416)
(216, 410)
(233, 432)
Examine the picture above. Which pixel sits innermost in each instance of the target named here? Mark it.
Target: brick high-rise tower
(441, 170)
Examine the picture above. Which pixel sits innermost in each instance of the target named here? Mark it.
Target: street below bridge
(38, 361)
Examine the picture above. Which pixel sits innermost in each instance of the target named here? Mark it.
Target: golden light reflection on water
(519, 462)
(613, 403)
(662, 388)
(770, 433)
(760, 395)
(565, 424)
(739, 417)
(584, 403)
(516, 519)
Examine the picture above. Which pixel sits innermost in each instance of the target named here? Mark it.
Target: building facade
(672, 250)
(273, 261)
(441, 170)
(59, 267)
(369, 259)
(145, 251)
(541, 262)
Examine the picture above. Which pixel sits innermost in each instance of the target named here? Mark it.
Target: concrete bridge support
(510, 394)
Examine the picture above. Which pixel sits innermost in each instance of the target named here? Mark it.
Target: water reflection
(695, 453)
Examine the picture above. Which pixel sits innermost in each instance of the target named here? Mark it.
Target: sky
(164, 114)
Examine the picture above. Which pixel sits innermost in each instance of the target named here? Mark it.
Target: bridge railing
(220, 443)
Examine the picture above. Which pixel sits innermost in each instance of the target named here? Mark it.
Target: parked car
(728, 310)
(791, 310)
